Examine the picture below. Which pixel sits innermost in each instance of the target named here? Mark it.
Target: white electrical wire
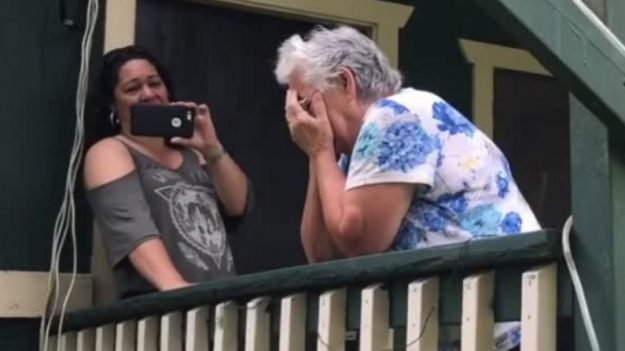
(66, 219)
(577, 284)
(612, 38)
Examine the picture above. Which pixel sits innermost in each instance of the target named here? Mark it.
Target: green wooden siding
(38, 77)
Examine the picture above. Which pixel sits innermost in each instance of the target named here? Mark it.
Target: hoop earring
(113, 118)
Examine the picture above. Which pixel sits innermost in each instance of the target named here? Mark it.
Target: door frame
(382, 18)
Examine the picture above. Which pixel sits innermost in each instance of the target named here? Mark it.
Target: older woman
(160, 204)
(412, 171)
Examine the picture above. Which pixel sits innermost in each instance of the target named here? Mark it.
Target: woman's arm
(229, 180)
(317, 242)
(151, 260)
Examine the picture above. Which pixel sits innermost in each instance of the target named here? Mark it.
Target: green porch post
(598, 193)
(598, 190)
(616, 22)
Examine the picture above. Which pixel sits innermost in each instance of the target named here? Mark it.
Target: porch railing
(393, 301)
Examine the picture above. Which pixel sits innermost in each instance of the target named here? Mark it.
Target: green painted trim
(572, 48)
(616, 22)
(530, 248)
(591, 202)
(617, 164)
(598, 189)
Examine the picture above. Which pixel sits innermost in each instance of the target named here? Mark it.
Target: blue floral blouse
(416, 137)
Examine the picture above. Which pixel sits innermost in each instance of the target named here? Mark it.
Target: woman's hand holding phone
(204, 137)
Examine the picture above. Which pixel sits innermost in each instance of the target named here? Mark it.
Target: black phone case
(166, 121)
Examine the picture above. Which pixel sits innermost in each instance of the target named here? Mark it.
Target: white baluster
(257, 325)
(293, 323)
(85, 340)
(422, 318)
(477, 313)
(105, 338)
(171, 332)
(68, 341)
(147, 334)
(196, 335)
(332, 315)
(539, 309)
(375, 332)
(226, 326)
(126, 336)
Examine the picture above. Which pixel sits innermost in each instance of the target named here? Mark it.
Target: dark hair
(108, 78)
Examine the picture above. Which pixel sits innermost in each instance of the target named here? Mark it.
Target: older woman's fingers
(291, 99)
(292, 106)
(319, 106)
(287, 97)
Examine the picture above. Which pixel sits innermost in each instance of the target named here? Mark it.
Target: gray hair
(320, 56)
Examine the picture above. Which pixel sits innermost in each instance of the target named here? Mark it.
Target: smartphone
(166, 121)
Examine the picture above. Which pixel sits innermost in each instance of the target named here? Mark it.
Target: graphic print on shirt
(195, 214)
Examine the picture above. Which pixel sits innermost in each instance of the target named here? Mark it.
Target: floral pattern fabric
(416, 137)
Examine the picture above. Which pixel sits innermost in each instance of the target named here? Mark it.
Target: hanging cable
(66, 219)
(612, 38)
(577, 285)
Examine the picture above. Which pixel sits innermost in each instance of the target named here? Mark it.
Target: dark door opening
(532, 129)
(226, 58)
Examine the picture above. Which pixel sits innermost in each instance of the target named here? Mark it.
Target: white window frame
(486, 58)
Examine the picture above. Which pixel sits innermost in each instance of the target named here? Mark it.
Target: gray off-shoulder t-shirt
(180, 206)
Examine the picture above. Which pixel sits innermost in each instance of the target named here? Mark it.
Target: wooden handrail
(527, 248)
